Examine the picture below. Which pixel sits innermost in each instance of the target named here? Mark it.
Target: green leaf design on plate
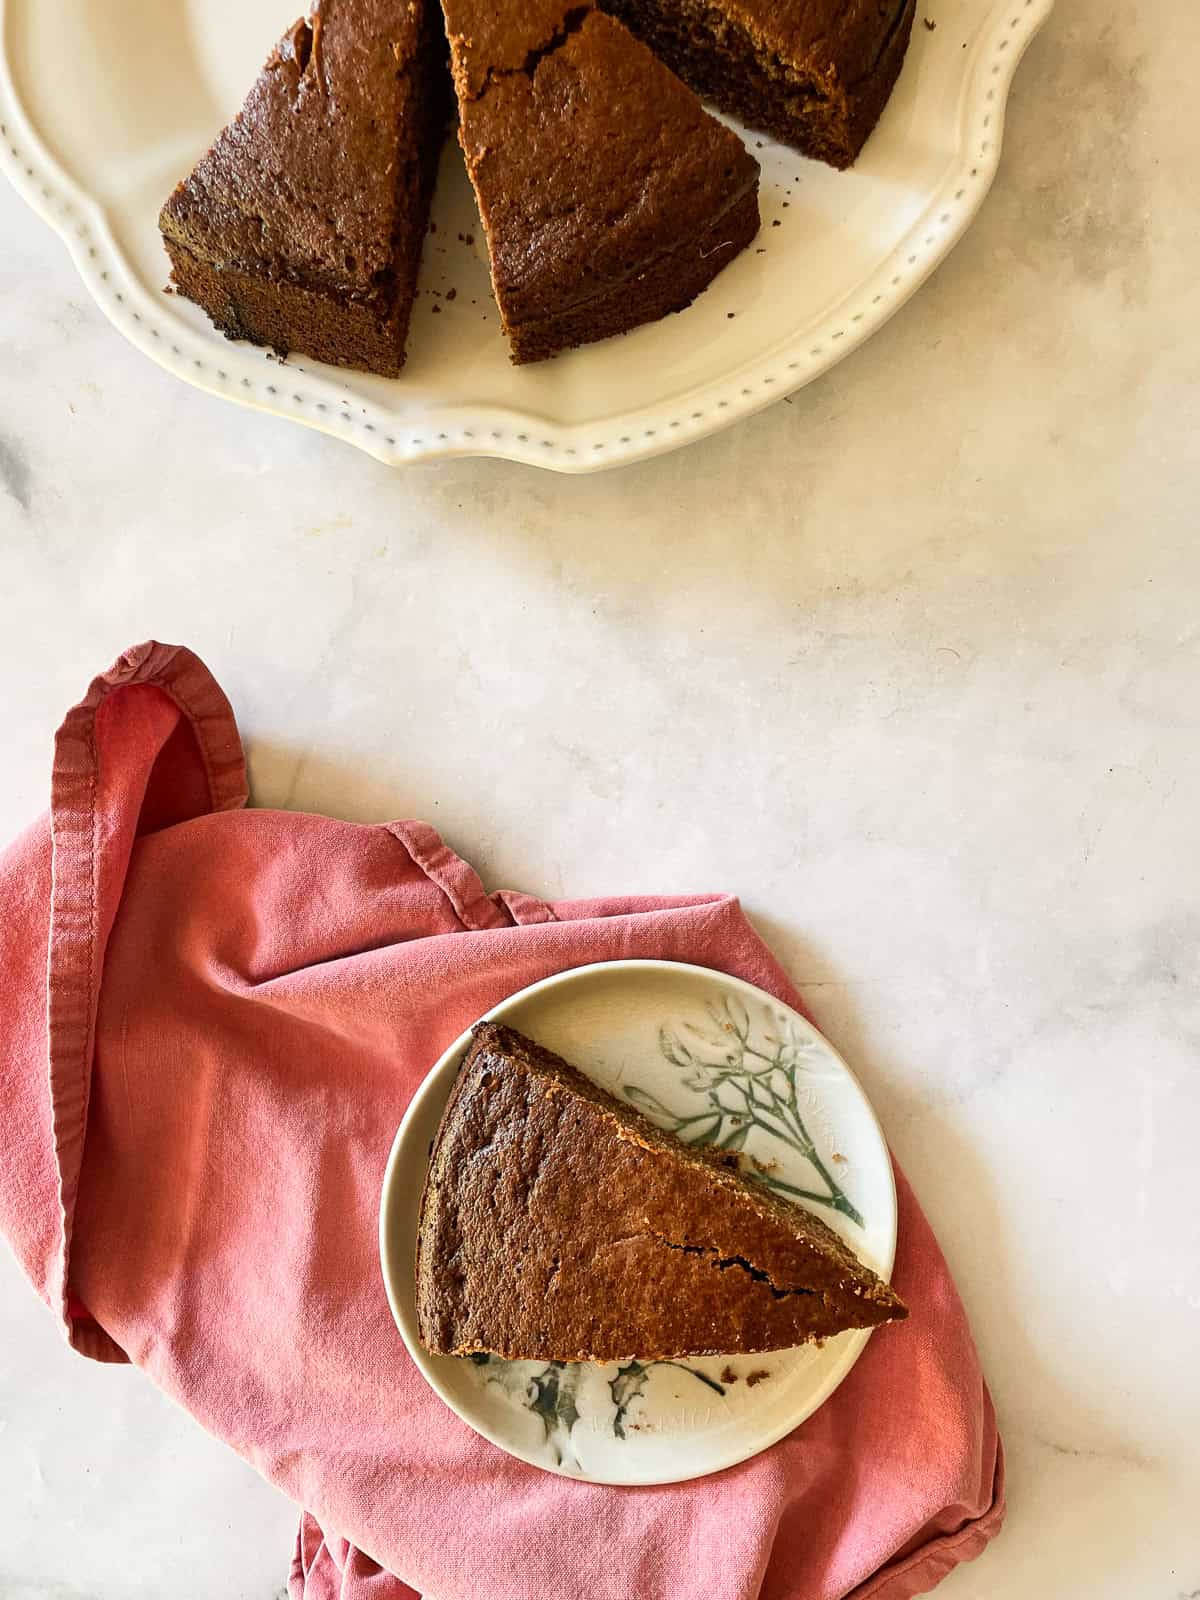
(748, 1079)
(630, 1384)
(554, 1397)
(551, 1393)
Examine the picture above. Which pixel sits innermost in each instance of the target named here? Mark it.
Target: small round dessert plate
(717, 1061)
(96, 135)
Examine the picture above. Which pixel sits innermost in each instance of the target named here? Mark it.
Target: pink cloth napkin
(213, 1019)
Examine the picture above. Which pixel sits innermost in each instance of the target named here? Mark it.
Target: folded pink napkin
(213, 1020)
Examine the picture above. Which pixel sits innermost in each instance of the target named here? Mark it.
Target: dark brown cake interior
(816, 74)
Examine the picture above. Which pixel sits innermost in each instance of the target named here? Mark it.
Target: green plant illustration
(553, 1398)
(748, 1080)
(630, 1383)
(551, 1392)
(548, 1392)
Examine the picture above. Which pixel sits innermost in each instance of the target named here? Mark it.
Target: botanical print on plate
(747, 1078)
(553, 1392)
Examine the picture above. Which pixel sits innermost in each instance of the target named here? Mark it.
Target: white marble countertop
(911, 662)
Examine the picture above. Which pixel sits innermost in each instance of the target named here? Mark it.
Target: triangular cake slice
(302, 227)
(609, 196)
(815, 73)
(558, 1224)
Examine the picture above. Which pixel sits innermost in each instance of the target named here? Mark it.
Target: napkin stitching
(458, 880)
(72, 987)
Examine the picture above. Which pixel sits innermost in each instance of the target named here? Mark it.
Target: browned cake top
(558, 1223)
(303, 184)
(489, 39)
(589, 157)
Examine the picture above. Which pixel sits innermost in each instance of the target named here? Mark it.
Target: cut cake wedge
(302, 227)
(558, 1224)
(608, 195)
